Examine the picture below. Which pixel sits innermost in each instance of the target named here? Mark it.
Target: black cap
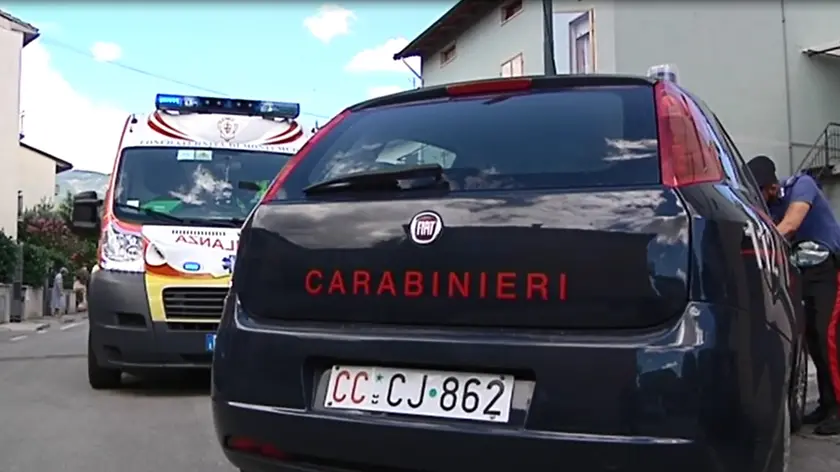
(763, 170)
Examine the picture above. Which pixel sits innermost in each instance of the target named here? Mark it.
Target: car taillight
(278, 182)
(488, 86)
(686, 156)
(251, 446)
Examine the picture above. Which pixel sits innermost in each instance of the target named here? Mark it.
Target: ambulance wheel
(101, 378)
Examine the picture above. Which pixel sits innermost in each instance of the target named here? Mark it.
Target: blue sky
(325, 56)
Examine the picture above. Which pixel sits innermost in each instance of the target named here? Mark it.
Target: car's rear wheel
(780, 457)
(100, 378)
(798, 391)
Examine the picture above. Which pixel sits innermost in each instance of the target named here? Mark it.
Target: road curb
(25, 327)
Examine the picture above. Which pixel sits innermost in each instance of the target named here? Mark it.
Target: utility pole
(16, 315)
(550, 67)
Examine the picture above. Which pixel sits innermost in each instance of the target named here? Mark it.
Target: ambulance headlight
(122, 250)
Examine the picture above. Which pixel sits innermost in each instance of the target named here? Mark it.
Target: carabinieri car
(532, 273)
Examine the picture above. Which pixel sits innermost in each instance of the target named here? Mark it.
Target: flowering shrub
(49, 243)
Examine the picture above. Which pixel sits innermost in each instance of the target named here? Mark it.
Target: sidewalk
(40, 324)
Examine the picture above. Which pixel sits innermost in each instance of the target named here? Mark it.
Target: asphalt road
(51, 421)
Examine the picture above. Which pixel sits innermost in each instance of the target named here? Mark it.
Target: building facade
(14, 35)
(769, 70)
(37, 172)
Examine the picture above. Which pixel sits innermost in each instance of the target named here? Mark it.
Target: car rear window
(581, 137)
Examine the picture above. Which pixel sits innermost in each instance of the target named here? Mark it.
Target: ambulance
(185, 178)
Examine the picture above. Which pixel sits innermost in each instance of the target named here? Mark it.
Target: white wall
(11, 44)
(814, 81)
(37, 177)
(740, 70)
(482, 49)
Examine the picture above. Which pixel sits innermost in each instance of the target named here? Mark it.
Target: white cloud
(330, 21)
(374, 92)
(62, 122)
(106, 52)
(381, 58)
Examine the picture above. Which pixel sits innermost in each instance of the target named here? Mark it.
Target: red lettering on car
(361, 282)
(337, 284)
(536, 282)
(413, 283)
(386, 283)
(353, 397)
(562, 286)
(314, 282)
(461, 285)
(535, 286)
(506, 286)
(341, 375)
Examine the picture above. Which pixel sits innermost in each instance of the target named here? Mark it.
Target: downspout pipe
(788, 107)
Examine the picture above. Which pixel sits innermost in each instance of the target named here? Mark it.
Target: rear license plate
(479, 397)
(210, 342)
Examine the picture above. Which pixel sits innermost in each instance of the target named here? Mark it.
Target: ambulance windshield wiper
(148, 211)
(393, 179)
(234, 222)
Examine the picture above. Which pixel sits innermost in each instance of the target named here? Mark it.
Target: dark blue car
(536, 273)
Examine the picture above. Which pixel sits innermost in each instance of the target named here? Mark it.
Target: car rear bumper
(358, 445)
(677, 398)
(123, 335)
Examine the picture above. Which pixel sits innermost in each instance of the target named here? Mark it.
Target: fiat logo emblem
(425, 227)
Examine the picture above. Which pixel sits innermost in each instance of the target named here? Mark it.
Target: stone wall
(5, 303)
(34, 304)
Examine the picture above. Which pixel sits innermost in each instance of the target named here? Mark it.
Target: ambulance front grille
(198, 303)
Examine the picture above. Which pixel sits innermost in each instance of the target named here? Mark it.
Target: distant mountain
(75, 181)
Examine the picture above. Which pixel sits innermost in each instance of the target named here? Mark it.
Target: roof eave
(30, 32)
(63, 167)
(28, 37)
(60, 164)
(471, 11)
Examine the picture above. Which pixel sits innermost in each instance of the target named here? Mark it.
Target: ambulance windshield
(192, 184)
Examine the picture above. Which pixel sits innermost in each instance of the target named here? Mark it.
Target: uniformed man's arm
(802, 195)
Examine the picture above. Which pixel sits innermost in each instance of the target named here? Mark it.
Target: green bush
(37, 262)
(8, 258)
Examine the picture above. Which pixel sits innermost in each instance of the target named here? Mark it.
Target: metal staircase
(824, 156)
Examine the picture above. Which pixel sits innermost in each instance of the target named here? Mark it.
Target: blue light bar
(227, 106)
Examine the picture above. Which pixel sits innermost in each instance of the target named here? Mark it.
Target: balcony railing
(824, 155)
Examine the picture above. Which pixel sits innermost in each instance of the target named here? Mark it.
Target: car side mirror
(86, 220)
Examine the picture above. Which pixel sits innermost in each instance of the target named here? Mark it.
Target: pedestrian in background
(80, 287)
(57, 296)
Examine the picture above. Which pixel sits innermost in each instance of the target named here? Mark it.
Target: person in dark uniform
(803, 215)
